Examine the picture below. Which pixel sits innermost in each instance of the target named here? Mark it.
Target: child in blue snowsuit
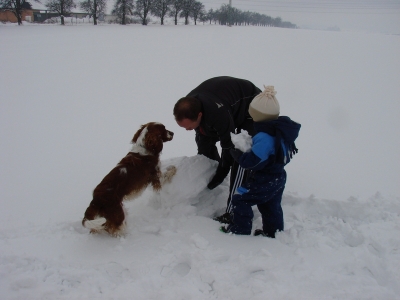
(272, 148)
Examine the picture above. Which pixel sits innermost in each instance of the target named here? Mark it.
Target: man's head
(187, 112)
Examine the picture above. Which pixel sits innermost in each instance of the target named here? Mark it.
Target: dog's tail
(96, 224)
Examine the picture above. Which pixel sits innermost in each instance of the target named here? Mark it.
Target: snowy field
(71, 99)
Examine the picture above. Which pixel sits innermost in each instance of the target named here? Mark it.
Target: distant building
(42, 15)
(8, 16)
(39, 13)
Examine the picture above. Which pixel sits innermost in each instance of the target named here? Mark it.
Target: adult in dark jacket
(215, 109)
(272, 148)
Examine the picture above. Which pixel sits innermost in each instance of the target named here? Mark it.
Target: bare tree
(94, 8)
(247, 17)
(175, 9)
(16, 7)
(143, 8)
(161, 8)
(62, 7)
(222, 14)
(121, 9)
(277, 22)
(203, 17)
(197, 11)
(210, 16)
(187, 8)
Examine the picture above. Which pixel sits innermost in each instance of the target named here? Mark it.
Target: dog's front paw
(171, 171)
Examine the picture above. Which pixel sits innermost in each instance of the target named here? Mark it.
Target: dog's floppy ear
(137, 134)
(153, 143)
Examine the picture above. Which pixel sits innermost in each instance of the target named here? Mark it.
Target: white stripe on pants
(238, 181)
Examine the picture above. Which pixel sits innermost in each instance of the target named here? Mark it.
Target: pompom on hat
(265, 106)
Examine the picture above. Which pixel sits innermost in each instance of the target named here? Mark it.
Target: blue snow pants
(265, 192)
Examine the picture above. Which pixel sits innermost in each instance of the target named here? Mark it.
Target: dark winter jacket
(273, 147)
(225, 103)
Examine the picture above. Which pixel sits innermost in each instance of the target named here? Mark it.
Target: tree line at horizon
(129, 11)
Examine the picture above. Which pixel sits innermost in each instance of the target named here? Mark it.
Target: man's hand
(226, 159)
(223, 169)
(236, 153)
(220, 174)
(216, 181)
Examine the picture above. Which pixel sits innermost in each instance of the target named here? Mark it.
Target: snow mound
(172, 249)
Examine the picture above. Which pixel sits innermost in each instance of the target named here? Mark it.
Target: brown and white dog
(139, 168)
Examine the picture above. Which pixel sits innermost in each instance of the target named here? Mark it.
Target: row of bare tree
(142, 9)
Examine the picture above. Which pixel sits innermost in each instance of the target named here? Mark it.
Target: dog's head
(151, 137)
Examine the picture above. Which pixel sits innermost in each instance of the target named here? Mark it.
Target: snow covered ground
(71, 99)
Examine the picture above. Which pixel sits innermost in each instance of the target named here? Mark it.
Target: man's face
(189, 124)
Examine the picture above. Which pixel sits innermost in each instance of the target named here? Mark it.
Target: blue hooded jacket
(273, 146)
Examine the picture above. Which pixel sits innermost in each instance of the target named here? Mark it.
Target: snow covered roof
(42, 6)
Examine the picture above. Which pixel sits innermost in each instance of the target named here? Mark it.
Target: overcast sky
(366, 15)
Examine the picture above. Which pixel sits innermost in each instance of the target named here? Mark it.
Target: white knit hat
(265, 106)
